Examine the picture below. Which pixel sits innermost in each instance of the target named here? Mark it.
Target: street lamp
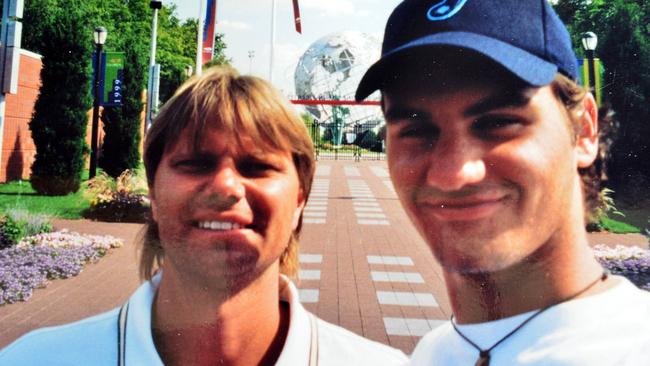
(189, 70)
(152, 94)
(589, 42)
(99, 38)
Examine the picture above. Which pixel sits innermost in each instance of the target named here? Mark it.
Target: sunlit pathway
(316, 209)
(377, 277)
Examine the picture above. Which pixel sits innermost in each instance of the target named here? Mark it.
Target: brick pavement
(363, 266)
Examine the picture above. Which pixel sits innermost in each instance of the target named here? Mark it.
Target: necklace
(484, 354)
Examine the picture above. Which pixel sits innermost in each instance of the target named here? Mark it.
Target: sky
(246, 25)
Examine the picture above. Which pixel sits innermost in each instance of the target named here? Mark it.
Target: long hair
(241, 107)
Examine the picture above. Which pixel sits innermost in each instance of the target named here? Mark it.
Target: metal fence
(361, 141)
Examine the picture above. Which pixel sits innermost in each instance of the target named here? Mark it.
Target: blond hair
(241, 107)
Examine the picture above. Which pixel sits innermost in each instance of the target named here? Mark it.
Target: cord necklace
(484, 354)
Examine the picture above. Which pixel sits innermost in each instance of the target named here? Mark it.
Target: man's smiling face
(225, 213)
(486, 171)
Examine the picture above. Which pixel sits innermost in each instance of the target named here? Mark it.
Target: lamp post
(589, 42)
(99, 38)
(152, 97)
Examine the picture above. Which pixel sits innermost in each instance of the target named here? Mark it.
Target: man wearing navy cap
(488, 134)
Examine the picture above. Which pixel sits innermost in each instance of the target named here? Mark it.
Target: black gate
(361, 141)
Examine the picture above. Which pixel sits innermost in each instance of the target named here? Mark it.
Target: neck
(562, 267)
(197, 326)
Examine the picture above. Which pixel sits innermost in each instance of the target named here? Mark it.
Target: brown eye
(496, 126)
(194, 166)
(424, 131)
(255, 167)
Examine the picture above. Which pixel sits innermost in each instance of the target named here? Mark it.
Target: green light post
(99, 38)
(589, 42)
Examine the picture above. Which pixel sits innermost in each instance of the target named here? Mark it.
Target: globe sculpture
(331, 69)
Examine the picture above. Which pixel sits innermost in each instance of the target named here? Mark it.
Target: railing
(357, 142)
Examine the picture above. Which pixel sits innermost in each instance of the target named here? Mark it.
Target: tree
(59, 122)
(60, 30)
(219, 57)
(624, 49)
(177, 50)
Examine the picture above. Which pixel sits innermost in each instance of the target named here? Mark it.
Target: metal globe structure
(331, 69)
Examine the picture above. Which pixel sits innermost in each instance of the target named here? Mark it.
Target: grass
(19, 194)
(618, 227)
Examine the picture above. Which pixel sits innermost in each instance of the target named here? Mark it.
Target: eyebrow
(405, 112)
(516, 98)
(507, 99)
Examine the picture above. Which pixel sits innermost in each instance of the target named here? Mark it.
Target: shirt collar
(140, 349)
(296, 346)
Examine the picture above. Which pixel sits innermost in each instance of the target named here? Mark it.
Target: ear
(586, 149)
(298, 211)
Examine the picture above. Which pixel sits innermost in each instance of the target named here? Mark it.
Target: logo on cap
(445, 9)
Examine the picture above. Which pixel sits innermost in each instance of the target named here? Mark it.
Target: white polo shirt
(93, 341)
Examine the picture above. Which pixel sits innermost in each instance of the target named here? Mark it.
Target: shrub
(4, 237)
(598, 219)
(10, 232)
(31, 223)
(58, 125)
(117, 200)
(18, 223)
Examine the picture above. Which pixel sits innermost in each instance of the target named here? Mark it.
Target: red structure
(18, 148)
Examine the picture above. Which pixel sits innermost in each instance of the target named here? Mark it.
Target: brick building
(18, 149)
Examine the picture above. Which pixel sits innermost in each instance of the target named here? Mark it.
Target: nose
(455, 162)
(226, 186)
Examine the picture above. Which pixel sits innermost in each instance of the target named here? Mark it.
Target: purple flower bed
(631, 262)
(24, 269)
(44, 257)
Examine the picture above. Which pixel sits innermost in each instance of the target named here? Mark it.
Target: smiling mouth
(219, 225)
(464, 210)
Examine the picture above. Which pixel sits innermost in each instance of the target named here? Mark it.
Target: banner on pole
(584, 76)
(208, 31)
(112, 79)
(296, 16)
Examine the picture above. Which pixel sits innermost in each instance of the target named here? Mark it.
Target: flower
(631, 262)
(39, 258)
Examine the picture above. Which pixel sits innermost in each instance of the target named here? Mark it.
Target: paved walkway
(363, 266)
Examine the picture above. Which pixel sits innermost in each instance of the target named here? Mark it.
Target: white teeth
(219, 225)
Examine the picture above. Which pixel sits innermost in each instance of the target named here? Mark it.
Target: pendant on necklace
(484, 359)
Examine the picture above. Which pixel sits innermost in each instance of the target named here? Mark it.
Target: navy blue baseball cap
(526, 37)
